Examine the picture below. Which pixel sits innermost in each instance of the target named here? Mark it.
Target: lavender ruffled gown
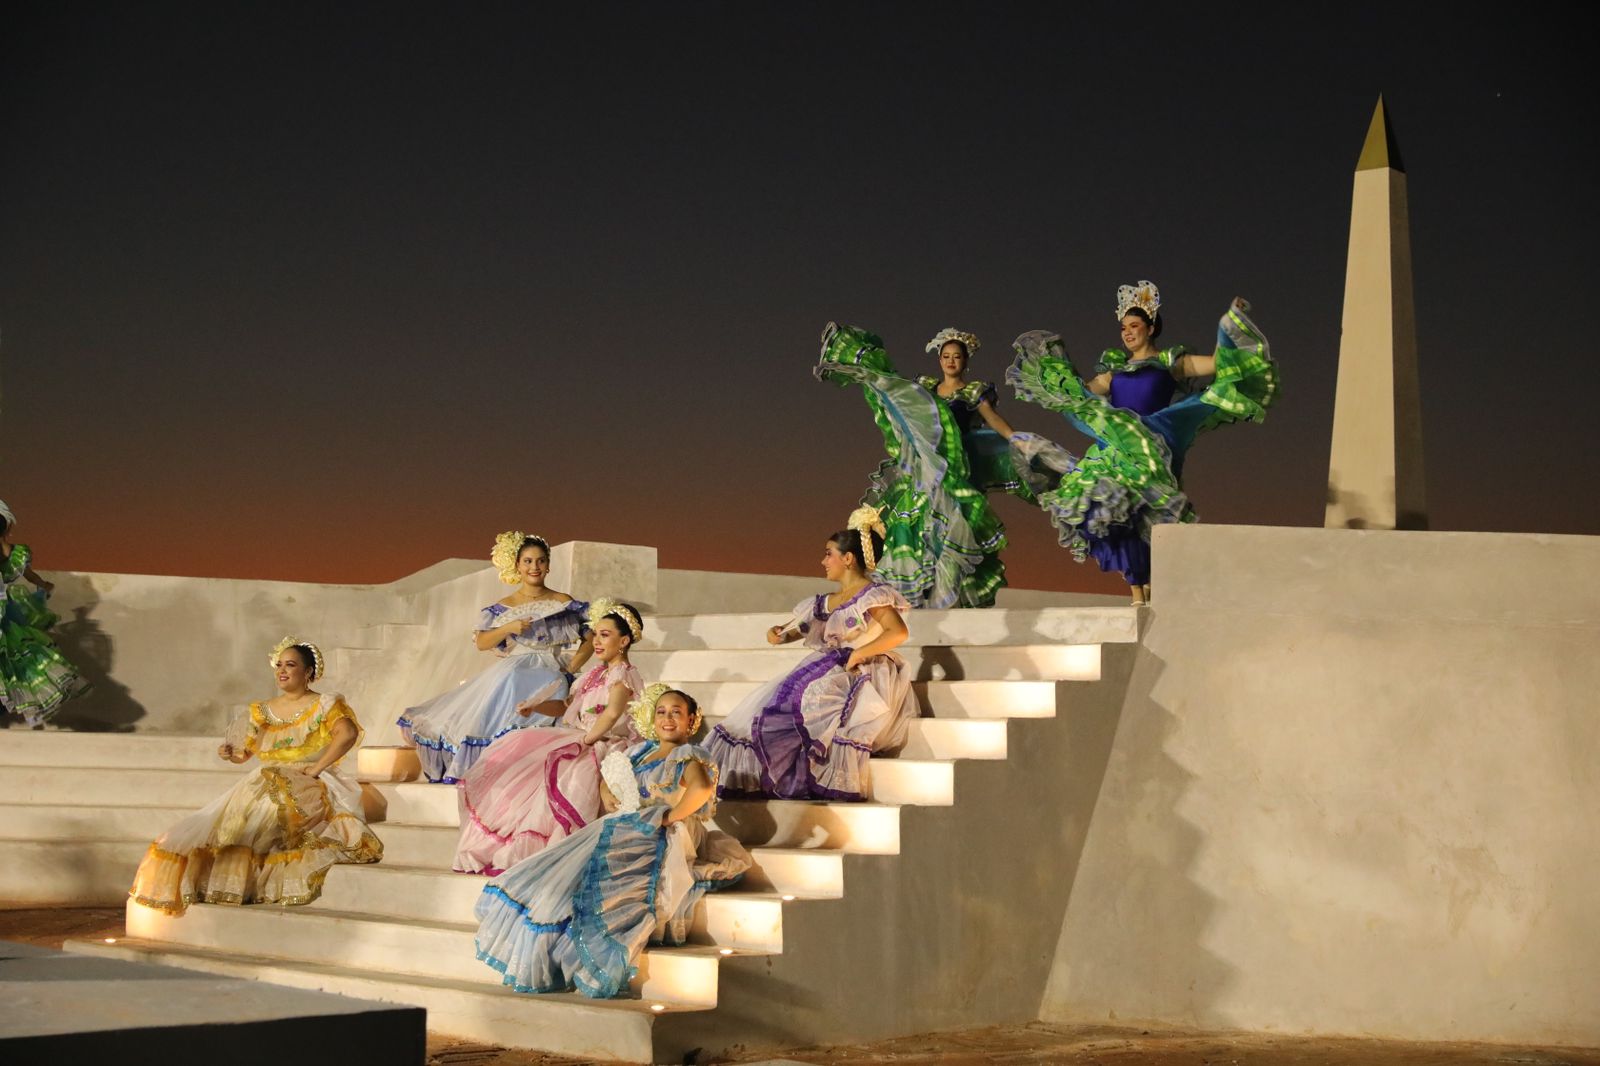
(809, 733)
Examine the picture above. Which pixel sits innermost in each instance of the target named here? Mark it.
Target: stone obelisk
(1375, 468)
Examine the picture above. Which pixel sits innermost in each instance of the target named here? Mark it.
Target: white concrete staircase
(859, 921)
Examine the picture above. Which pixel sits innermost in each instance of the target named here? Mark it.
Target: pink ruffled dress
(536, 786)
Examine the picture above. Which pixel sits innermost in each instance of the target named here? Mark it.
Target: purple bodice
(1144, 390)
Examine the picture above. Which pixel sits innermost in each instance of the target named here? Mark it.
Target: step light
(658, 1007)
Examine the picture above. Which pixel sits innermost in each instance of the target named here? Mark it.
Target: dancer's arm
(1100, 384)
(996, 423)
(608, 801)
(344, 738)
(581, 655)
(38, 582)
(489, 639)
(695, 791)
(1194, 366)
(894, 635)
(616, 705)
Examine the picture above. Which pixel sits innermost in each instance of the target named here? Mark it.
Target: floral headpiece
(866, 520)
(507, 547)
(643, 711)
(1145, 296)
(295, 642)
(969, 341)
(605, 605)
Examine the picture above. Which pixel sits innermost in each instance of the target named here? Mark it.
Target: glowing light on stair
(658, 1007)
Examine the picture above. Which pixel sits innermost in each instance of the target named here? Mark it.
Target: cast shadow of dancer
(108, 707)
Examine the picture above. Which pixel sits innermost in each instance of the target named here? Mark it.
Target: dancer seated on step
(578, 914)
(533, 787)
(809, 733)
(272, 837)
(35, 678)
(532, 630)
(1105, 504)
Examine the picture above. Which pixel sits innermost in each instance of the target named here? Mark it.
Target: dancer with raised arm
(533, 787)
(1104, 504)
(578, 914)
(531, 631)
(35, 678)
(809, 733)
(272, 837)
(947, 448)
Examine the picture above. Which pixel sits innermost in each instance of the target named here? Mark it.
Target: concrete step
(560, 1023)
(64, 822)
(1034, 662)
(938, 699)
(747, 921)
(80, 871)
(856, 828)
(926, 738)
(922, 782)
(1051, 625)
(411, 948)
(113, 787)
(114, 750)
(807, 873)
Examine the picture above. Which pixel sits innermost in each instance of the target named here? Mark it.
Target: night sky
(291, 292)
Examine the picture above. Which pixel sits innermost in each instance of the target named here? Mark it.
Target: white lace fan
(617, 772)
(238, 732)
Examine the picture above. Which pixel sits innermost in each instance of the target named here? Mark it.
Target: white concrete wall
(1355, 788)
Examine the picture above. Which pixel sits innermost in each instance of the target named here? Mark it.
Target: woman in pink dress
(536, 786)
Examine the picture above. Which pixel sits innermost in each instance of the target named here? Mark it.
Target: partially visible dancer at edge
(809, 733)
(35, 678)
(531, 630)
(947, 448)
(272, 837)
(1105, 504)
(579, 913)
(533, 787)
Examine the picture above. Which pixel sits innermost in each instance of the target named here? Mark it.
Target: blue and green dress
(35, 678)
(579, 913)
(1105, 503)
(943, 543)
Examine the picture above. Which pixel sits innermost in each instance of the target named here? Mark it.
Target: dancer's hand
(855, 660)
(519, 627)
(775, 635)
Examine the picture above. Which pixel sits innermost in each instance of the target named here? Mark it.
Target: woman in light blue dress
(579, 913)
(532, 631)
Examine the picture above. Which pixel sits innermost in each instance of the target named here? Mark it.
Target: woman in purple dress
(809, 733)
(1104, 504)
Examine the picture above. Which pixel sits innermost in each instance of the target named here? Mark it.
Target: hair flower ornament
(867, 520)
(605, 605)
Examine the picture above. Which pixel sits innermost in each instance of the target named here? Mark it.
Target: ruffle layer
(270, 839)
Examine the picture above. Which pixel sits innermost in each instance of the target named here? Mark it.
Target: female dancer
(529, 630)
(946, 445)
(809, 734)
(35, 678)
(535, 786)
(1105, 504)
(578, 914)
(272, 837)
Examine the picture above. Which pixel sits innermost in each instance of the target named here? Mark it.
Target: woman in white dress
(530, 630)
(272, 837)
(809, 733)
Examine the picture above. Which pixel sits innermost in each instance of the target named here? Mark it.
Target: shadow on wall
(1137, 872)
(109, 707)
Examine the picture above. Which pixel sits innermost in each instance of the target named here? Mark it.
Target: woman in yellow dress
(272, 837)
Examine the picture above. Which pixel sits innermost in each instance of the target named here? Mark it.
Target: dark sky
(295, 292)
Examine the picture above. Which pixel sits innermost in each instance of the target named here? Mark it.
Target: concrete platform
(72, 1008)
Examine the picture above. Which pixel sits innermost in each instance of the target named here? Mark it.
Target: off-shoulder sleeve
(487, 618)
(879, 594)
(694, 753)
